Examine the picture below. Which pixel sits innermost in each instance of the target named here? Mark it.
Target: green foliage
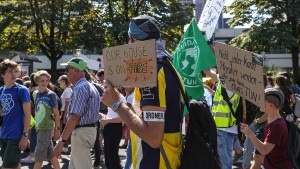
(171, 15)
(276, 25)
(54, 27)
(58, 26)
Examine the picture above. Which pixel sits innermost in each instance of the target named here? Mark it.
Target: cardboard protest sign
(210, 16)
(242, 71)
(131, 65)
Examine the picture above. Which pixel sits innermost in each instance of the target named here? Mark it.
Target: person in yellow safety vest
(221, 111)
(227, 131)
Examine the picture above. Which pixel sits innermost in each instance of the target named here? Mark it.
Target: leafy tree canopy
(56, 26)
(276, 25)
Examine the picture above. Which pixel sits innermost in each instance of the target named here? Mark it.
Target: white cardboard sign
(210, 16)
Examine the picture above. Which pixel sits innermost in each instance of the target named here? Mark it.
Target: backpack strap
(226, 98)
(164, 61)
(1, 90)
(164, 155)
(18, 85)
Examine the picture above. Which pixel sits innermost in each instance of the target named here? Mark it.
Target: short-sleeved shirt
(85, 102)
(166, 95)
(44, 104)
(65, 96)
(276, 133)
(12, 101)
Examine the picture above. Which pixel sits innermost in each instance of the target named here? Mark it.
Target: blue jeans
(128, 156)
(225, 147)
(237, 143)
(248, 152)
(33, 136)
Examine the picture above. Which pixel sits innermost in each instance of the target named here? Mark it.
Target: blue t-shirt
(12, 100)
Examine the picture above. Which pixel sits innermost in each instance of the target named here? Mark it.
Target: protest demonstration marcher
(152, 84)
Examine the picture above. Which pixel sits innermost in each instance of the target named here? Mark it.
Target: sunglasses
(67, 68)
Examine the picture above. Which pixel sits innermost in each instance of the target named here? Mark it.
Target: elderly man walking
(82, 115)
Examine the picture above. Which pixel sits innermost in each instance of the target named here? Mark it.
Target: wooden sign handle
(244, 115)
(244, 110)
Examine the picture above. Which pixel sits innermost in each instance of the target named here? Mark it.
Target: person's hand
(56, 135)
(102, 116)
(23, 143)
(206, 87)
(104, 122)
(53, 116)
(110, 95)
(57, 149)
(245, 129)
(289, 118)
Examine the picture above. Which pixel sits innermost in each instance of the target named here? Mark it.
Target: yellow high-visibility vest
(221, 111)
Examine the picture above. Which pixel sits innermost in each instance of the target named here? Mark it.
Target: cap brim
(64, 64)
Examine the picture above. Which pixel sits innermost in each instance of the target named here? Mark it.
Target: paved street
(65, 161)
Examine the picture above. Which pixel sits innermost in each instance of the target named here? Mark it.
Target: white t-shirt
(130, 99)
(65, 96)
(111, 114)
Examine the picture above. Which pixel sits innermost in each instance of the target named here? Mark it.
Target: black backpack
(294, 144)
(200, 147)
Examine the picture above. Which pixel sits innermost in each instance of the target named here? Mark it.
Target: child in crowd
(46, 108)
(275, 145)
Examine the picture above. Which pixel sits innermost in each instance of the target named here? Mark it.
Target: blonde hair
(39, 74)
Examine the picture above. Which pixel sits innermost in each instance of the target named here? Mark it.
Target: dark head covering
(143, 28)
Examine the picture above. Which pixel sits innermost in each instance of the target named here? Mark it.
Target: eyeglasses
(67, 69)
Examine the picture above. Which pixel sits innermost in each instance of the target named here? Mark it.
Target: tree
(57, 26)
(171, 15)
(52, 26)
(276, 24)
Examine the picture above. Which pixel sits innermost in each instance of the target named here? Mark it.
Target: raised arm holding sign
(242, 72)
(131, 65)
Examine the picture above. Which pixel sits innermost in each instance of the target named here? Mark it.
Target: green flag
(191, 56)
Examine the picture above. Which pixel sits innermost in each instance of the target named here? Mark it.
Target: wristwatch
(25, 134)
(116, 105)
(62, 140)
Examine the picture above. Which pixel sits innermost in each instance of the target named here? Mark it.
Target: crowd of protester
(85, 113)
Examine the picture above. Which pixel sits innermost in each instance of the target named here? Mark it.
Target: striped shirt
(85, 102)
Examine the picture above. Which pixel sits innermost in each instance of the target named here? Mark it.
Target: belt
(85, 125)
